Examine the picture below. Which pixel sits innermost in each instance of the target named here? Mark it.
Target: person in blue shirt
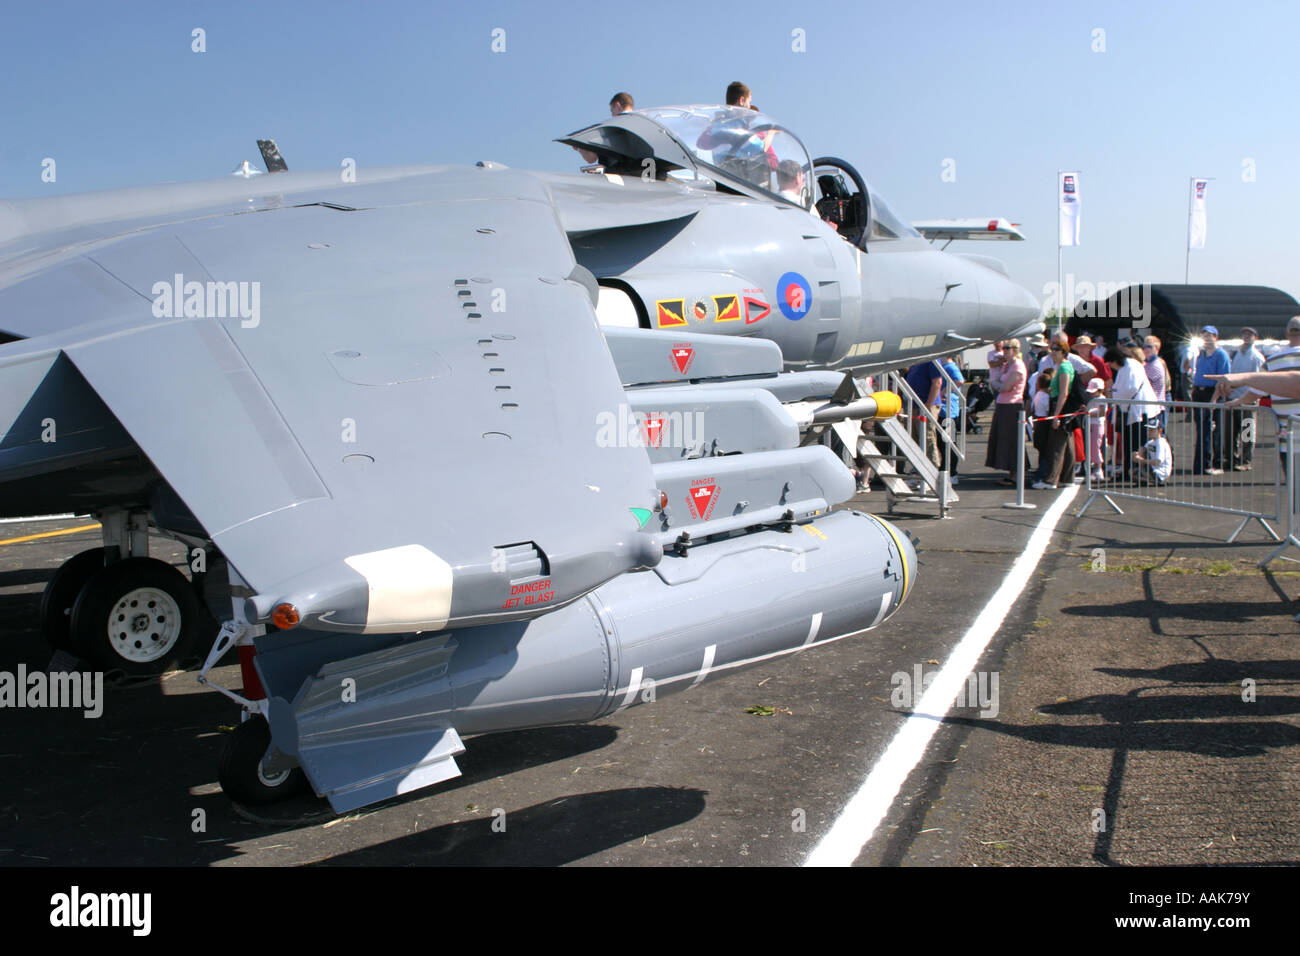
(953, 411)
(924, 379)
(1212, 360)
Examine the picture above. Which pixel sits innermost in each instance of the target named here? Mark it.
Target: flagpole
(1187, 253)
(1060, 284)
(1060, 278)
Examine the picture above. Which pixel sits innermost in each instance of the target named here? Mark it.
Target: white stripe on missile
(633, 686)
(813, 628)
(708, 663)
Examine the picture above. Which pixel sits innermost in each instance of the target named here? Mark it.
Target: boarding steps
(882, 451)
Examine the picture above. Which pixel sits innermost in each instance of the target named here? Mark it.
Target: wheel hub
(144, 625)
(271, 779)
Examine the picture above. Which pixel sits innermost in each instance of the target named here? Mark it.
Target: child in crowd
(1095, 441)
(1042, 404)
(1155, 459)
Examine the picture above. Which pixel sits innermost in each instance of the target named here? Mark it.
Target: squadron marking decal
(702, 310)
(728, 308)
(702, 497)
(755, 309)
(683, 356)
(671, 313)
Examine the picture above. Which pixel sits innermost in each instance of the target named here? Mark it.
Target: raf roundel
(793, 295)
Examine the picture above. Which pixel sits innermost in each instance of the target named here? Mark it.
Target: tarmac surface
(1147, 712)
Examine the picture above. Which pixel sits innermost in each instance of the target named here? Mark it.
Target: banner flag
(1196, 224)
(1068, 216)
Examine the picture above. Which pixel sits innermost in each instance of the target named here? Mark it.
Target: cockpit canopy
(730, 146)
(748, 145)
(739, 150)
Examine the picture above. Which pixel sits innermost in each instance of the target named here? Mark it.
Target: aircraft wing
(360, 349)
(968, 229)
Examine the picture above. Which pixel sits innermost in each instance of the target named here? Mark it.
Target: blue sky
(1010, 91)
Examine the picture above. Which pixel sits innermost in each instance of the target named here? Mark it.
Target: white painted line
(857, 822)
(36, 518)
(813, 628)
(708, 663)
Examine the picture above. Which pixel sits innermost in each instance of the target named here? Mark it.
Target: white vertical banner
(1068, 212)
(1196, 221)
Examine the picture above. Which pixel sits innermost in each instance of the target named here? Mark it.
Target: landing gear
(61, 594)
(139, 616)
(242, 773)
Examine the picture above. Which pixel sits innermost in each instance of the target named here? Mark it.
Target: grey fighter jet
(431, 496)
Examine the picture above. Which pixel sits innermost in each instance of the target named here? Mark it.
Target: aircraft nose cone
(904, 570)
(1005, 307)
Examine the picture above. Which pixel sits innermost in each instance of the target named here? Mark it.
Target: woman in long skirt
(1006, 416)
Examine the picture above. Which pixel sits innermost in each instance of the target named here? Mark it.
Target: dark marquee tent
(1179, 311)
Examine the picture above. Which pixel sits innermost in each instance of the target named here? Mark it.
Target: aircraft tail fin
(358, 749)
(271, 156)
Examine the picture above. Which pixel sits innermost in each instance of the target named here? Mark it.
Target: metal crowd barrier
(1217, 481)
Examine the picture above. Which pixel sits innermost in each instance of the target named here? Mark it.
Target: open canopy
(737, 148)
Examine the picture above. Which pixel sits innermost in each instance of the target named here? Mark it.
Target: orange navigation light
(285, 616)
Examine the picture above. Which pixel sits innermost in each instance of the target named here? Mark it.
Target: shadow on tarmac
(546, 834)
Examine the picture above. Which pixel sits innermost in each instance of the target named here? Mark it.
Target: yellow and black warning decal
(728, 308)
(670, 313)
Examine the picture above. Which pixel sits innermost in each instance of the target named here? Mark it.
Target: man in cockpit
(789, 180)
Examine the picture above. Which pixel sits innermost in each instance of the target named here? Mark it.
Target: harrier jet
(425, 492)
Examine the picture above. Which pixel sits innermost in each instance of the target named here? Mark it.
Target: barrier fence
(1216, 459)
(1214, 466)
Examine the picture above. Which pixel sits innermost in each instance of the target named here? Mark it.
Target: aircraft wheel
(139, 616)
(61, 594)
(240, 770)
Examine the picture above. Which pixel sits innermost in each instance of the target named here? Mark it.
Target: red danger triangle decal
(682, 357)
(700, 499)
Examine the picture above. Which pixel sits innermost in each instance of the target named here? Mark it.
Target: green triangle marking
(642, 515)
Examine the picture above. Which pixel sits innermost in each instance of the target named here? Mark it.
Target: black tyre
(139, 616)
(240, 768)
(61, 594)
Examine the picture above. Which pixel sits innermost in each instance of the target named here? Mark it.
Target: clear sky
(1009, 92)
